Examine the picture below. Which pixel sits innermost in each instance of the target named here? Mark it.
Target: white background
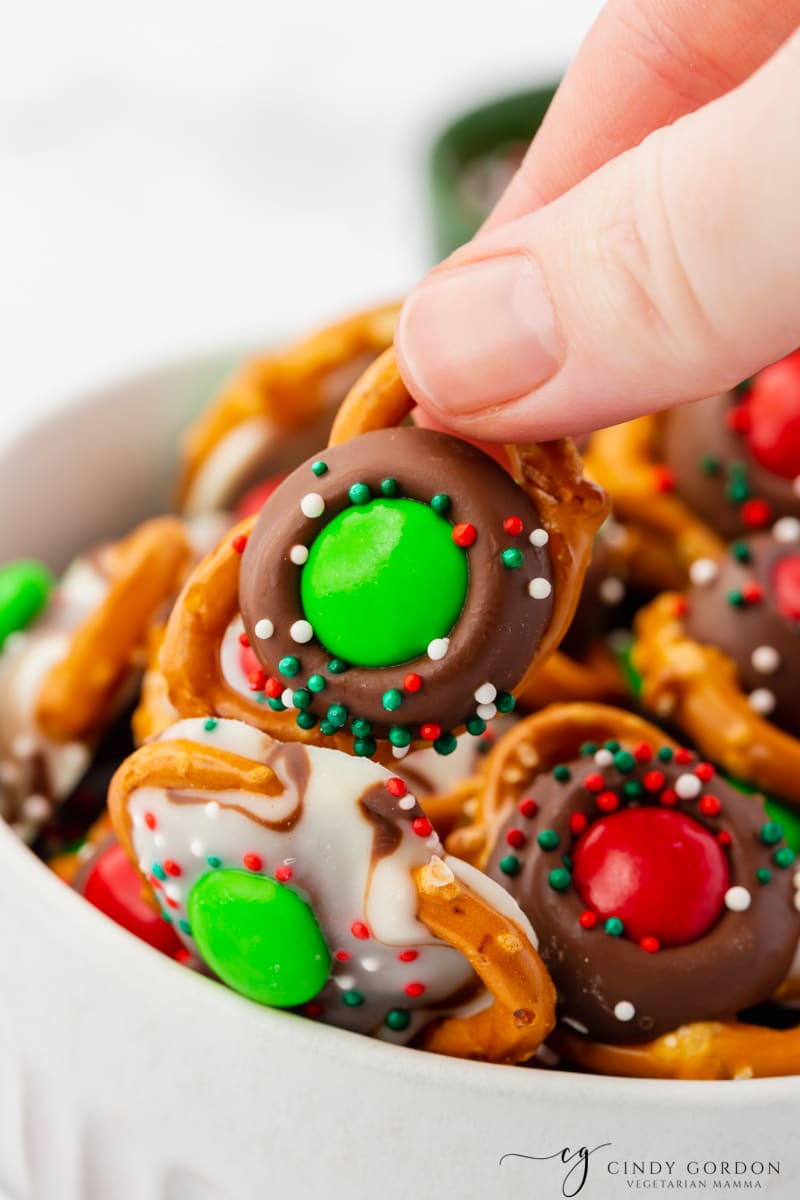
(179, 175)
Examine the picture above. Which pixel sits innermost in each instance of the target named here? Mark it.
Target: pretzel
(274, 805)
(697, 686)
(290, 392)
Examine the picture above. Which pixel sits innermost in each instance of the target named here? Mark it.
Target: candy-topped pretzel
(276, 409)
(662, 896)
(395, 588)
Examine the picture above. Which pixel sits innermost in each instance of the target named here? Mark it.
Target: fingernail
(478, 336)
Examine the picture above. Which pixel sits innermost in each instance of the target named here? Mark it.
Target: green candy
(382, 581)
(788, 819)
(260, 937)
(25, 588)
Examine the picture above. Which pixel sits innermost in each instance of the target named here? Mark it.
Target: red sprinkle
(756, 513)
(681, 606)
(528, 807)
(513, 525)
(273, 687)
(154, 883)
(669, 797)
(408, 955)
(171, 903)
(183, 956)
(412, 682)
(643, 752)
(149, 820)
(253, 862)
(738, 419)
(422, 827)
(577, 823)
(359, 930)
(414, 989)
(516, 838)
(683, 756)
(724, 838)
(653, 781)
(464, 534)
(172, 868)
(396, 786)
(650, 944)
(430, 731)
(663, 479)
(342, 956)
(608, 802)
(313, 1009)
(752, 593)
(239, 543)
(594, 782)
(710, 806)
(283, 874)
(256, 681)
(244, 640)
(588, 919)
(704, 771)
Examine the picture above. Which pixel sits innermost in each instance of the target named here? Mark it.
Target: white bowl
(125, 1077)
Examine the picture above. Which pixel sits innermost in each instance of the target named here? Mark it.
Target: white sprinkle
(487, 712)
(159, 841)
(765, 660)
(371, 964)
(762, 701)
(345, 982)
(36, 808)
(611, 590)
(23, 746)
(539, 537)
(400, 751)
(738, 899)
(603, 757)
(438, 648)
(301, 631)
(287, 698)
(197, 848)
(433, 842)
(485, 694)
(578, 1026)
(409, 801)
(624, 1011)
(298, 554)
(688, 786)
(264, 629)
(312, 505)
(539, 589)
(703, 571)
(212, 810)
(786, 530)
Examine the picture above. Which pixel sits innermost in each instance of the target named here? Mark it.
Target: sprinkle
(273, 688)
(414, 989)
(283, 874)
(669, 798)
(214, 861)
(301, 698)
(624, 1010)
(256, 680)
(485, 694)
(342, 956)
(364, 747)
(756, 513)
(709, 464)
(299, 554)
(594, 782)
(412, 682)
(400, 737)
(319, 467)
(740, 551)
(505, 702)
(624, 761)
(407, 956)
(509, 864)
(611, 590)
(397, 1019)
(650, 945)
(464, 534)
(359, 493)
(337, 714)
(703, 571)
(528, 807)
(149, 820)
(704, 771)
(512, 558)
(392, 699)
(765, 660)
(360, 727)
(487, 712)
(577, 823)
(663, 479)
(752, 593)
(724, 838)
(562, 774)
(513, 526)
(289, 666)
(587, 919)
(608, 802)
(665, 754)
(440, 503)
(430, 731)
(407, 803)
(159, 872)
(359, 930)
(738, 899)
(559, 879)
(614, 927)
(688, 786)
(317, 683)
(476, 726)
(337, 666)
(438, 648)
(396, 786)
(683, 756)
(389, 487)
(710, 806)
(172, 868)
(422, 827)
(312, 505)
(445, 743)
(352, 998)
(654, 781)
(238, 544)
(771, 833)
(539, 589)
(784, 857)
(762, 701)
(548, 839)
(763, 875)
(516, 839)
(603, 757)
(786, 530)
(301, 631)
(253, 862)
(287, 698)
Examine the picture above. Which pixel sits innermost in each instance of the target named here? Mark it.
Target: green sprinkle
(326, 728)
(763, 874)
(364, 747)
(317, 683)
(476, 726)
(771, 833)
(301, 698)
(743, 387)
(210, 724)
(548, 839)
(337, 666)
(306, 720)
(260, 698)
(559, 879)
(614, 927)
(159, 872)
(440, 503)
(512, 558)
(398, 1019)
(390, 487)
(352, 999)
(784, 857)
(588, 749)
(445, 743)
(166, 917)
(510, 865)
(665, 754)
(735, 599)
(709, 464)
(276, 704)
(624, 761)
(319, 467)
(567, 861)
(360, 728)
(738, 490)
(740, 551)
(392, 699)
(612, 746)
(400, 736)
(632, 789)
(505, 702)
(289, 666)
(337, 715)
(214, 861)
(184, 926)
(359, 493)
(562, 774)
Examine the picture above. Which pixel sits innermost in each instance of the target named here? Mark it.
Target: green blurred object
(25, 588)
(474, 158)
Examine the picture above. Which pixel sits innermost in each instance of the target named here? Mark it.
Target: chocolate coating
(738, 963)
(720, 615)
(710, 462)
(500, 626)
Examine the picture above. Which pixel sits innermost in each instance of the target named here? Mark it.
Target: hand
(648, 250)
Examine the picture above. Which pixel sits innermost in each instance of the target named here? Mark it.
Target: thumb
(670, 274)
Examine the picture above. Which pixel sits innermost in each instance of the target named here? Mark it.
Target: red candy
(786, 585)
(659, 871)
(254, 500)
(113, 885)
(773, 408)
